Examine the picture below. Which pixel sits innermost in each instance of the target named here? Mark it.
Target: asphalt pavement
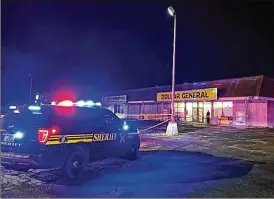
(200, 162)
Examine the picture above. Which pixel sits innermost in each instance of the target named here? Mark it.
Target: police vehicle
(65, 136)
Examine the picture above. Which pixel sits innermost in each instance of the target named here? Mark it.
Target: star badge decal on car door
(122, 137)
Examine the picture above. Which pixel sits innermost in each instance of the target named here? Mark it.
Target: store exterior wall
(257, 113)
(270, 113)
(236, 101)
(116, 104)
(148, 110)
(240, 112)
(232, 112)
(222, 112)
(134, 109)
(243, 112)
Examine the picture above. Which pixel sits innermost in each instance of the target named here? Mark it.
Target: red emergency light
(64, 95)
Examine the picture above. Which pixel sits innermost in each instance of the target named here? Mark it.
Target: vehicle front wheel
(76, 162)
(133, 154)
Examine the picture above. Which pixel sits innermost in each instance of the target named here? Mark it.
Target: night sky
(118, 46)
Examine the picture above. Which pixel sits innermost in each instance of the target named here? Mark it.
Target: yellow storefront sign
(199, 95)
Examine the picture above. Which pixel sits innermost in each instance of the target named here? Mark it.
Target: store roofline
(245, 98)
(193, 83)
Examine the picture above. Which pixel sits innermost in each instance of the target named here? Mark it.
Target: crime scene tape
(153, 126)
(157, 117)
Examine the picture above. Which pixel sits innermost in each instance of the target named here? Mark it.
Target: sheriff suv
(64, 137)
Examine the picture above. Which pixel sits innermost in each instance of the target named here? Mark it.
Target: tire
(133, 154)
(76, 162)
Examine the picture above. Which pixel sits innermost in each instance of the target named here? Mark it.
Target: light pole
(30, 89)
(172, 128)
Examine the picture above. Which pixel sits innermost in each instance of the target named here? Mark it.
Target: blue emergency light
(18, 135)
(34, 108)
(37, 97)
(125, 127)
(12, 107)
(81, 103)
(90, 103)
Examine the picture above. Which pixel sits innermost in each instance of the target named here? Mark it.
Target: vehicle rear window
(79, 116)
(77, 120)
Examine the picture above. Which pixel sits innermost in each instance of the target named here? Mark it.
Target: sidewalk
(233, 126)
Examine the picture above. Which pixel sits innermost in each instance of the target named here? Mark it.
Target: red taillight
(45, 133)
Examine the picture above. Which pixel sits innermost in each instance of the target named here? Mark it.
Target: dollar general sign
(199, 95)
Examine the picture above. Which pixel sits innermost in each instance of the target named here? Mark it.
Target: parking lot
(200, 162)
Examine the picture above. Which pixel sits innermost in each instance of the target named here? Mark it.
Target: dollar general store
(247, 101)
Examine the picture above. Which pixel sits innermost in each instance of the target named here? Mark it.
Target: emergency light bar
(81, 103)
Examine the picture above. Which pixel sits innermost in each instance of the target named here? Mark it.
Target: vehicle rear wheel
(76, 162)
(133, 154)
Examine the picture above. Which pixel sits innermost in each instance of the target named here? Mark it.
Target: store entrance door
(201, 112)
(195, 112)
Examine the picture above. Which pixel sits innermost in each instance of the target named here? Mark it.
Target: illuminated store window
(228, 109)
(201, 111)
(217, 109)
(195, 111)
(179, 107)
(223, 109)
(189, 111)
